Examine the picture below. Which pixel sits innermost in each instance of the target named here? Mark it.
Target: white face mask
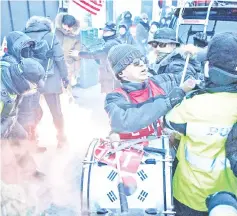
(122, 31)
(145, 20)
(107, 33)
(153, 29)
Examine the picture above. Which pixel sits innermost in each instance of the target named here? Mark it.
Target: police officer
(205, 119)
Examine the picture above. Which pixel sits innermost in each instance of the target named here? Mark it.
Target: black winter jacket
(174, 63)
(40, 28)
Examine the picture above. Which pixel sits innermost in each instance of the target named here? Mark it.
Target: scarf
(146, 26)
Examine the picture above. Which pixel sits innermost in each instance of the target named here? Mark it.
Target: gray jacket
(38, 28)
(128, 117)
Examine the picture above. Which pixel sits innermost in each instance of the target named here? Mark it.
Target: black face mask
(161, 56)
(27, 52)
(106, 38)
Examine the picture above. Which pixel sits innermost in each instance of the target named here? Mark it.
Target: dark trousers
(183, 210)
(18, 132)
(30, 114)
(54, 104)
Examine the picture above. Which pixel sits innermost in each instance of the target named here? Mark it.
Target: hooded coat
(174, 63)
(127, 18)
(69, 41)
(16, 41)
(40, 28)
(127, 38)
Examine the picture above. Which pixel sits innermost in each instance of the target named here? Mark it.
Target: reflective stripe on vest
(206, 164)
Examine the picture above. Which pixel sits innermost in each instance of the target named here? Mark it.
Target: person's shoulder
(8, 59)
(116, 95)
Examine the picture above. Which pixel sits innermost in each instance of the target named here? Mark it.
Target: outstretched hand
(74, 53)
(189, 85)
(190, 49)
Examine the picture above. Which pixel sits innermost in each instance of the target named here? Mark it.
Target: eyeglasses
(139, 61)
(160, 45)
(145, 18)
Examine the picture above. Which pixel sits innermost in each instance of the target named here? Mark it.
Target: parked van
(222, 18)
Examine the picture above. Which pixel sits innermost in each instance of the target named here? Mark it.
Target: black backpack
(40, 50)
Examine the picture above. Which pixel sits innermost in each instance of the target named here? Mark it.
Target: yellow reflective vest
(203, 168)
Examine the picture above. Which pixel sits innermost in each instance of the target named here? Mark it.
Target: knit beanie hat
(222, 52)
(221, 198)
(121, 56)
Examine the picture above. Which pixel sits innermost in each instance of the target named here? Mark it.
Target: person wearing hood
(127, 19)
(142, 33)
(110, 38)
(40, 29)
(17, 80)
(124, 34)
(19, 47)
(153, 28)
(168, 57)
(67, 32)
(204, 120)
(109, 32)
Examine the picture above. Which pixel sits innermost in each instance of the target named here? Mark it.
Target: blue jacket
(126, 117)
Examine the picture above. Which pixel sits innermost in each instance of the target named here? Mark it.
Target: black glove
(200, 39)
(176, 96)
(65, 82)
(49, 54)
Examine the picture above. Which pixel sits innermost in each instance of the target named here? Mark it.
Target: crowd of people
(142, 75)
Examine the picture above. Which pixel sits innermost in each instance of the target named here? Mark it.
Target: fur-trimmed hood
(38, 23)
(58, 25)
